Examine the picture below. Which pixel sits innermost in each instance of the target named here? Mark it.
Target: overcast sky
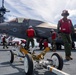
(44, 10)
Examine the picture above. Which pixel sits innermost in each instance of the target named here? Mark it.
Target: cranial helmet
(30, 26)
(65, 12)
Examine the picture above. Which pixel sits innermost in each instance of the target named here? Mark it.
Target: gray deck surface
(17, 68)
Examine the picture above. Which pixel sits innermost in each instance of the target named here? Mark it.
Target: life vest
(45, 44)
(53, 35)
(65, 26)
(30, 33)
(3, 39)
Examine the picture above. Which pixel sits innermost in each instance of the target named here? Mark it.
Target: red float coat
(65, 26)
(45, 44)
(30, 33)
(53, 35)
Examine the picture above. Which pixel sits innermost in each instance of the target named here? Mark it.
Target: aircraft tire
(57, 61)
(28, 64)
(12, 57)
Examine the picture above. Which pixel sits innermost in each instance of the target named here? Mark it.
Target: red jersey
(53, 35)
(30, 33)
(3, 39)
(65, 26)
(45, 44)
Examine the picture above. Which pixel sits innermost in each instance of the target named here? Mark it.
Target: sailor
(4, 42)
(30, 36)
(45, 43)
(65, 28)
(41, 43)
(23, 43)
(53, 37)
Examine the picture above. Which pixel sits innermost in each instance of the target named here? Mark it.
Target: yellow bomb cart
(33, 61)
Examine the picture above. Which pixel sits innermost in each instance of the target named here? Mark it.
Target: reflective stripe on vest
(65, 26)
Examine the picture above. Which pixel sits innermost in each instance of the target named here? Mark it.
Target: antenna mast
(2, 3)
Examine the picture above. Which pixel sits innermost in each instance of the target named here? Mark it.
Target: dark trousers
(67, 43)
(53, 45)
(5, 45)
(30, 40)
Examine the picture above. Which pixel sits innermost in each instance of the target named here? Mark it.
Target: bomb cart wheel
(28, 64)
(11, 57)
(57, 61)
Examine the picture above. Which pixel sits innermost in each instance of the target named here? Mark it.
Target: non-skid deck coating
(17, 68)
